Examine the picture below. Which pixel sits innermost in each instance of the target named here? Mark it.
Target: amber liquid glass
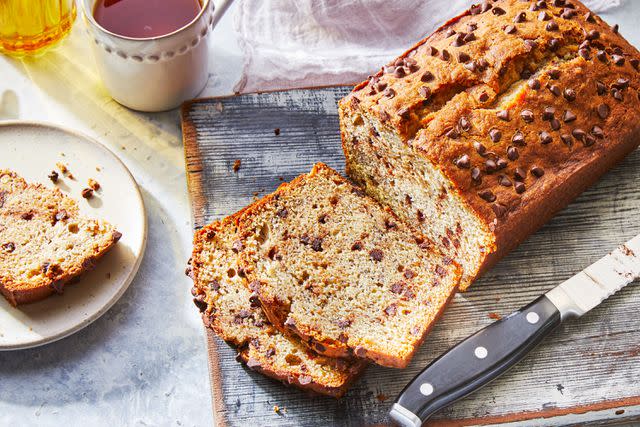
(29, 27)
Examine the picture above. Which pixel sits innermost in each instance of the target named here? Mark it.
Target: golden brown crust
(524, 115)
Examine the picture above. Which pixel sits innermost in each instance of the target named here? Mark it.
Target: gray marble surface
(144, 362)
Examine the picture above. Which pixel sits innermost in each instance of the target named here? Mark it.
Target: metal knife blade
(599, 281)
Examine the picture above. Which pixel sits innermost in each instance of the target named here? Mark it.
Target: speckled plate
(32, 150)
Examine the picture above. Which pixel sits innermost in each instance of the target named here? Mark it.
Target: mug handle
(220, 8)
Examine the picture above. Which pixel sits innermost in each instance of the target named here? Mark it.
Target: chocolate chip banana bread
(44, 241)
(331, 265)
(233, 312)
(481, 132)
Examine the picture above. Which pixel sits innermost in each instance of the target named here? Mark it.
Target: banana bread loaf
(334, 267)
(481, 132)
(44, 241)
(233, 312)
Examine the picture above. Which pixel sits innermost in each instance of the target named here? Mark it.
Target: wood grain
(587, 371)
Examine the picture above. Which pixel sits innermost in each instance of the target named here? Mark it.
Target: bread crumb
(62, 167)
(219, 107)
(236, 165)
(495, 316)
(381, 397)
(276, 131)
(87, 193)
(276, 409)
(98, 169)
(281, 178)
(53, 176)
(93, 184)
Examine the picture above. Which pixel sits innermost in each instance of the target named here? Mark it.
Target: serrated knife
(488, 353)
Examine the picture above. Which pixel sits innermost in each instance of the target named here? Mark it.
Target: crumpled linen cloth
(305, 43)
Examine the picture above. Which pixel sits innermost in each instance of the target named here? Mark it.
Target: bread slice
(229, 308)
(334, 267)
(44, 241)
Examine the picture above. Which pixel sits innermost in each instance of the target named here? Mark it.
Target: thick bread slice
(230, 309)
(336, 268)
(44, 242)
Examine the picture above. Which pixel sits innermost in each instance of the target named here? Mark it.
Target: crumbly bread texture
(44, 241)
(233, 312)
(334, 267)
(481, 132)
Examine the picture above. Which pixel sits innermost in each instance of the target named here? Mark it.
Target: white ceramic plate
(32, 150)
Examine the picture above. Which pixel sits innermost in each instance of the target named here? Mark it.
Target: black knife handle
(474, 362)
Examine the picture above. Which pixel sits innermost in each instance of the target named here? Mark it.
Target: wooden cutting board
(587, 371)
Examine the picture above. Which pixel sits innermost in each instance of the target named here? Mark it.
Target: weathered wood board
(588, 371)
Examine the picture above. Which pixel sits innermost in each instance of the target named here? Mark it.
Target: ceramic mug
(155, 73)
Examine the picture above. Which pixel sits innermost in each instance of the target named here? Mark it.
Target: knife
(488, 353)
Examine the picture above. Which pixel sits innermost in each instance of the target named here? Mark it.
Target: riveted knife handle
(474, 362)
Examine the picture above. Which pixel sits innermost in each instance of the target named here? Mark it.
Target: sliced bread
(334, 267)
(233, 312)
(44, 241)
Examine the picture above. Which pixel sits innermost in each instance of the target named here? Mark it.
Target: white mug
(155, 73)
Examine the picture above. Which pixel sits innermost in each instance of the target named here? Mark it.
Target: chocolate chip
(503, 115)
(409, 274)
(615, 28)
(254, 300)
(588, 141)
(518, 138)
(282, 213)
(471, 66)
(510, 29)
(558, 3)
(490, 165)
(450, 32)
(527, 116)
(520, 17)
(399, 72)
(504, 181)
(617, 59)
(601, 88)
(316, 244)
(464, 123)
(512, 153)
(554, 74)
(199, 302)
(463, 162)
(440, 271)
(568, 141)
(475, 174)
(487, 195)
(520, 174)
(427, 77)
(9, 247)
(584, 53)
(495, 135)
(589, 17)
(444, 55)
(53, 176)
(484, 97)
(552, 26)
(452, 133)
(554, 89)
(617, 94)
(481, 149)
(344, 323)
(27, 216)
(499, 209)
(432, 51)
(543, 16)
(384, 116)
(87, 193)
(603, 111)
(463, 57)
(621, 83)
(545, 137)
(356, 246)
(237, 246)
(568, 117)
(424, 92)
(389, 93)
(597, 132)
(537, 171)
(548, 113)
(376, 254)
(458, 40)
(578, 134)
(593, 35)
(519, 187)
(498, 11)
(534, 84)
(391, 310)
(404, 113)
(569, 94)
(360, 351)
(398, 287)
(567, 14)
(501, 163)
(635, 62)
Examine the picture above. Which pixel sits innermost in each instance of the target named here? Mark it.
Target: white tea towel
(302, 43)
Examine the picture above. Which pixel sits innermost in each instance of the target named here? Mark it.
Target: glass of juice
(29, 27)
